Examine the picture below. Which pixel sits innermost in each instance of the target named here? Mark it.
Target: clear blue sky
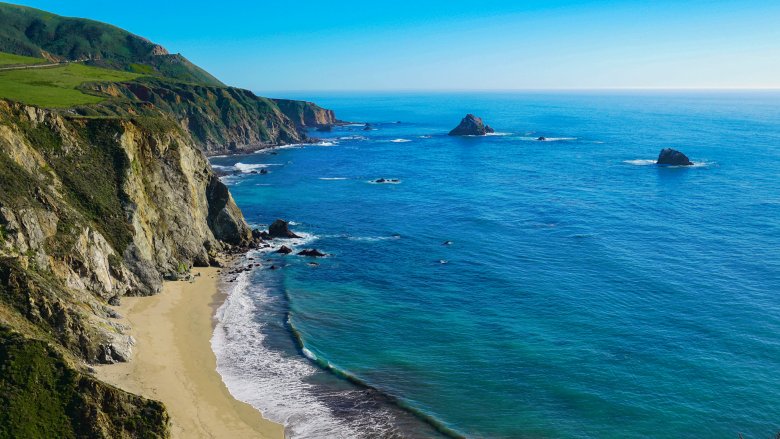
(454, 44)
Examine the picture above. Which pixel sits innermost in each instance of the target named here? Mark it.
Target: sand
(173, 363)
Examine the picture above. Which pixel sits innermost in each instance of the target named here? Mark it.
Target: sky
(460, 45)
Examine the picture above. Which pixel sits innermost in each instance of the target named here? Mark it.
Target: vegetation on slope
(43, 396)
(7, 59)
(56, 87)
(35, 33)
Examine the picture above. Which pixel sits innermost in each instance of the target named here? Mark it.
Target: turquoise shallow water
(586, 293)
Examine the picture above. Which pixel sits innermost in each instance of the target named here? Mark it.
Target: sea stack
(471, 126)
(672, 157)
(281, 229)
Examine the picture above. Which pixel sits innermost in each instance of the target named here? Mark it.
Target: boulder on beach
(312, 253)
(284, 250)
(281, 229)
(672, 157)
(471, 126)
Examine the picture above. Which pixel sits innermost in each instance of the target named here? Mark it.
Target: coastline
(174, 363)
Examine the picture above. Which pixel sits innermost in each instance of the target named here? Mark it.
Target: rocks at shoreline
(672, 157)
(471, 126)
(314, 253)
(284, 250)
(281, 229)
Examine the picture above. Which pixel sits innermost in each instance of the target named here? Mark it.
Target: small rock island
(672, 157)
(471, 126)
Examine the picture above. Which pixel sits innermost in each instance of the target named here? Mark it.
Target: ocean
(506, 287)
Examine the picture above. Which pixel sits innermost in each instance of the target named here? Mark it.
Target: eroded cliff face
(220, 120)
(94, 208)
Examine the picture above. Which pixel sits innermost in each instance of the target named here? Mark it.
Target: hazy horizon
(451, 46)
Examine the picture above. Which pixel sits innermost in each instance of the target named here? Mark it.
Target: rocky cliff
(220, 120)
(95, 208)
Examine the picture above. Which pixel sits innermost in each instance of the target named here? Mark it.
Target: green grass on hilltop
(7, 59)
(56, 86)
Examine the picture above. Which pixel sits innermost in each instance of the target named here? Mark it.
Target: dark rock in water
(471, 126)
(273, 267)
(284, 250)
(325, 128)
(263, 171)
(446, 243)
(381, 180)
(367, 127)
(114, 301)
(313, 264)
(541, 138)
(281, 229)
(672, 157)
(312, 253)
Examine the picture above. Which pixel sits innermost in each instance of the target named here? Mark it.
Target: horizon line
(487, 90)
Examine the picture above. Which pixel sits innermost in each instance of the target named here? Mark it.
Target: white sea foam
(498, 134)
(373, 238)
(249, 167)
(640, 162)
(333, 178)
(272, 382)
(424, 137)
(400, 141)
(649, 162)
(326, 143)
(548, 139)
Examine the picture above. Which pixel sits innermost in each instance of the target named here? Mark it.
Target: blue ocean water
(586, 293)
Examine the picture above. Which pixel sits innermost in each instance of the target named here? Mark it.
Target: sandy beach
(174, 363)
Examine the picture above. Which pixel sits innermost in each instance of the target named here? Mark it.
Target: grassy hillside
(56, 87)
(35, 33)
(7, 59)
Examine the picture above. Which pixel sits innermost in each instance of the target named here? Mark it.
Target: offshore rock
(672, 157)
(314, 253)
(471, 126)
(281, 229)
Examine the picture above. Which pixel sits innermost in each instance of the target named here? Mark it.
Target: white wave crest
(640, 162)
(498, 134)
(400, 141)
(333, 178)
(272, 382)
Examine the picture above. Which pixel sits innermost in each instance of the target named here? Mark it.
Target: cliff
(220, 120)
(92, 209)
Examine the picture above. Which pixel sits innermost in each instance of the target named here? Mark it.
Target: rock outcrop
(672, 157)
(471, 126)
(281, 229)
(313, 252)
